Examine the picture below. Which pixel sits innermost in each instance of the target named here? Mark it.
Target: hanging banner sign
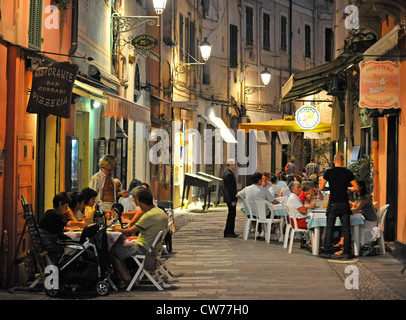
(379, 84)
(307, 117)
(51, 89)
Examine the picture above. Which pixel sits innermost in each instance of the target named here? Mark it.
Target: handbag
(150, 261)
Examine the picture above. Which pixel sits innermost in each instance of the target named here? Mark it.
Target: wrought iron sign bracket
(123, 24)
(252, 89)
(127, 23)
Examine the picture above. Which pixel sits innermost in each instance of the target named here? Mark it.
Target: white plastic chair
(140, 261)
(381, 214)
(261, 206)
(250, 218)
(287, 227)
(290, 232)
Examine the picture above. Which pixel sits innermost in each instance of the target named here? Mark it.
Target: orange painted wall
(3, 113)
(401, 223)
(57, 40)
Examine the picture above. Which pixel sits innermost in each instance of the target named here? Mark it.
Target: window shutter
(233, 46)
(249, 26)
(35, 24)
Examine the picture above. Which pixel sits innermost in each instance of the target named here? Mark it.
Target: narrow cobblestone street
(210, 267)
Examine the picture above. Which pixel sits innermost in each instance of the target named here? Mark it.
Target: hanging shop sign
(51, 89)
(144, 42)
(307, 117)
(379, 84)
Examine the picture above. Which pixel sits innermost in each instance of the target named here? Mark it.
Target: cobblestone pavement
(208, 266)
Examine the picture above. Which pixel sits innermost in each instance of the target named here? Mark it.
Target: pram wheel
(52, 292)
(102, 288)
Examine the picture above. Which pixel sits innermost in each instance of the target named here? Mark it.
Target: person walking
(312, 168)
(339, 178)
(230, 197)
(290, 167)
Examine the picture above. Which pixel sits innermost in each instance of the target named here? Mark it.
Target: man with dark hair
(339, 178)
(151, 222)
(52, 225)
(256, 191)
(230, 197)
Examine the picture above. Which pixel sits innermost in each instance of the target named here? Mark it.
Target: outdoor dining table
(278, 210)
(112, 236)
(316, 218)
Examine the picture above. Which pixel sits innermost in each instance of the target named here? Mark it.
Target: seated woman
(75, 208)
(89, 200)
(363, 204)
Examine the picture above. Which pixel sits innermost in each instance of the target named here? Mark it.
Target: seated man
(136, 214)
(266, 183)
(255, 191)
(297, 206)
(152, 221)
(52, 225)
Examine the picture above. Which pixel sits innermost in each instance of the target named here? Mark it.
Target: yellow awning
(283, 125)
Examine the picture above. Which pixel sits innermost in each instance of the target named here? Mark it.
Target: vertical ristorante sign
(51, 89)
(379, 84)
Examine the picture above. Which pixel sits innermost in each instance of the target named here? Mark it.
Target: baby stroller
(82, 263)
(85, 263)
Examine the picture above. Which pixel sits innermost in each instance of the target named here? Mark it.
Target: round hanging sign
(307, 117)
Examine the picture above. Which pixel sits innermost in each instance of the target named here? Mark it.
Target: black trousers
(230, 223)
(343, 211)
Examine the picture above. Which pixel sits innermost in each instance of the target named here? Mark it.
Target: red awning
(119, 107)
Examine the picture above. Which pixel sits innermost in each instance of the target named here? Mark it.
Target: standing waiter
(230, 192)
(339, 178)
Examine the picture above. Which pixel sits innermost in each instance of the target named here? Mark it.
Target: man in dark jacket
(230, 192)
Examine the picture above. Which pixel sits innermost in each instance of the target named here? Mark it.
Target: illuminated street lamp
(159, 6)
(265, 77)
(205, 49)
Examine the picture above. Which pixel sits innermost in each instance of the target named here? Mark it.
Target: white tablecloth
(317, 218)
(112, 236)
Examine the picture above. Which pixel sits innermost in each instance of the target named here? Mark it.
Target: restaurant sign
(379, 84)
(51, 89)
(144, 42)
(307, 117)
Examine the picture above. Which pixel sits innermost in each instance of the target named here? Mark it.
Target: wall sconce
(205, 49)
(265, 77)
